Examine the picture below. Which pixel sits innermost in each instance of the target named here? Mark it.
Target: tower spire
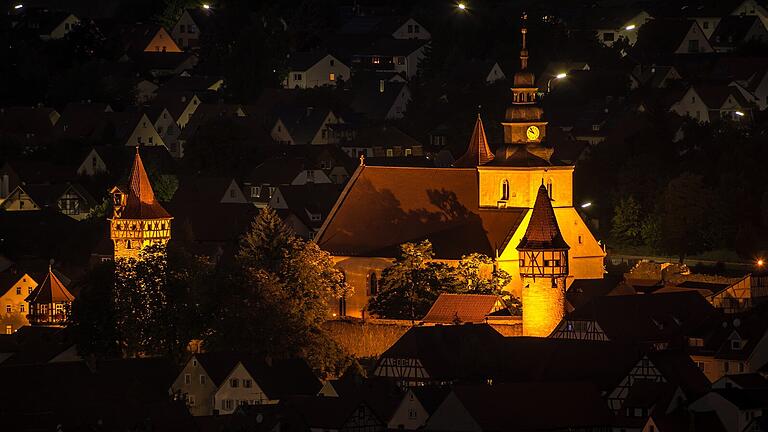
(478, 153)
(524, 49)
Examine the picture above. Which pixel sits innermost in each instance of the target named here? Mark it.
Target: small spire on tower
(478, 153)
(524, 50)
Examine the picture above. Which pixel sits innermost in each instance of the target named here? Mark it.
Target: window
(18, 290)
(247, 383)
(150, 140)
(505, 189)
(331, 76)
(191, 400)
(400, 60)
(21, 308)
(234, 383)
(203, 379)
(608, 36)
(416, 28)
(227, 404)
(408, 152)
(390, 153)
(255, 191)
(581, 240)
(741, 367)
(271, 191)
(550, 190)
(726, 367)
(411, 413)
(30, 290)
(297, 77)
(8, 308)
(736, 344)
(410, 28)
(232, 193)
(187, 379)
(693, 46)
(373, 284)
(552, 263)
(191, 29)
(8, 329)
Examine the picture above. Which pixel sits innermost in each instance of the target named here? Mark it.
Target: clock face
(532, 133)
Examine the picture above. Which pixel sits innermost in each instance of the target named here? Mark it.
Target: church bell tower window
(505, 189)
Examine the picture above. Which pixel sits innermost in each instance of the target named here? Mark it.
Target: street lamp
(586, 205)
(462, 6)
(739, 113)
(206, 6)
(559, 76)
(18, 6)
(630, 27)
(760, 262)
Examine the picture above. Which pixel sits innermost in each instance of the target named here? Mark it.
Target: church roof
(141, 202)
(543, 231)
(383, 207)
(478, 152)
(50, 291)
(451, 308)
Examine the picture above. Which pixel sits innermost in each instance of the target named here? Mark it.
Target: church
(514, 205)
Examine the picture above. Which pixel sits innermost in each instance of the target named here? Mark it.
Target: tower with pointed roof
(543, 269)
(49, 303)
(138, 220)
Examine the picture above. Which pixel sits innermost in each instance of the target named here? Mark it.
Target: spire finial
(362, 159)
(524, 50)
(478, 110)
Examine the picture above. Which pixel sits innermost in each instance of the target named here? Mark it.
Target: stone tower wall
(543, 305)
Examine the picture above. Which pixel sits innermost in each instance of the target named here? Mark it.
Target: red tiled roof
(383, 207)
(141, 202)
(472, 308)
(50, 291)
(478, 152)
(543, 232)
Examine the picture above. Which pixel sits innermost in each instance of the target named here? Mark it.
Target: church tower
(138, 219)
(525, 131)
(543, 269)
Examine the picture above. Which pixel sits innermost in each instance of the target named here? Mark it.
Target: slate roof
(478, 152)
(745, 399)
(543, 231)
(534, 406)
(51, 290)
(473, 308)
(383, 207)
(141, 202)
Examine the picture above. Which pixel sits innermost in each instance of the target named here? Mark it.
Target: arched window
(549, 188)
(505, 189)
(373, 284)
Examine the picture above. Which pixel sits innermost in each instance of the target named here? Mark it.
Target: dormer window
(736, 344)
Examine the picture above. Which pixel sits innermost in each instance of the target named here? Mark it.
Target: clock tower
(525, 131)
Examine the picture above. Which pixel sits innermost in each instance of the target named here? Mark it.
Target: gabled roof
(715, 96)
(381, 136)
(462, 308)
(732, 30)
(744, 399)
(372, 25)
(315, 198)
(47, 195)
(194, 83)
(534, 405)
(543, 231)
(374, 103)
(383, 207)
(37, 120)
(478, 152)
(303, 123)
(141, 202)
(50, 291)
(392, 47)
(662, 36)
(303, 60)
(202, 190)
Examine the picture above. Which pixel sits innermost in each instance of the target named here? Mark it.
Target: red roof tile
(141, 202)
(50, 291)
(478, 152)
(449, 308)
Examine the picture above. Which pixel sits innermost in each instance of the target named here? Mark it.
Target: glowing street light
(559, 76)
(586, 205)
(18, 6)
(760, 262)
(462, 6)
(739, 113)
(206, 6)
(630, 27)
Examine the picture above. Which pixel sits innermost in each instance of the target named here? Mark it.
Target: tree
(626, 222)
(93, 315)
(276, 296)
(411, 285)
(683, 216)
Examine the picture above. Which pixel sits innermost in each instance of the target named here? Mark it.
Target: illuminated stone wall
(543, 305)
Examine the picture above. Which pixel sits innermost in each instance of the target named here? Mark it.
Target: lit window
(255, 191)
(331, 77)
(408, 152)
(390, 153)
(8, 329)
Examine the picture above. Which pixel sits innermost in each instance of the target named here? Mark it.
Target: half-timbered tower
(138, 219)
(543, 269)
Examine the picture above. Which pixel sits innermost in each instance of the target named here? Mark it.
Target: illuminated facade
(138, 219)
(484, 204)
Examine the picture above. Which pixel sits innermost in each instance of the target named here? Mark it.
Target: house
(737, 345)
(734, 31)
(416, 406)
(381, 141)
(305, 207)
(663, 37)
(198, 84)
(611, 24)
(736, 408)
(38, 345)
(706, 14)
(530, 406)
(32, 126)
(146, 90)
(134, 129)
(209, 190)
(78, 121)
(47, 24)
(15, 285)
(68, 198)
(381, 100)
(744, 381)
(749, 75)
(262, 182)
(140, 37)
(753, 8)
(217, 383)
(393, 56)
(466, 308)
(217, 118)
(709, 103)
(14, 173)
(165, 125)
(395, 27)
(115, 161)
(653, 77)
(190, 26)
(314, 69)
(683, 420)
(163, 64)
(651, 320)
(306, 125)
(181, 105)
